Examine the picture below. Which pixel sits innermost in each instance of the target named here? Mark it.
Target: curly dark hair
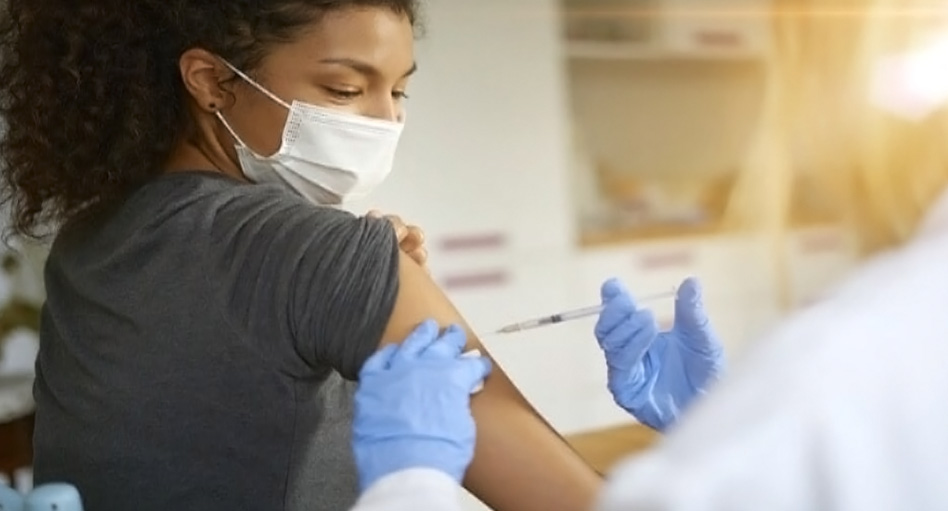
(92, 98)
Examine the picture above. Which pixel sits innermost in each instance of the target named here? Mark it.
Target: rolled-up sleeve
(310, 286)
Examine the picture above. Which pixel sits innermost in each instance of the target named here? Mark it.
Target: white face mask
(327, 156)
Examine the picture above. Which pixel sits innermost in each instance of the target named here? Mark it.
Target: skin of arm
(520, 462)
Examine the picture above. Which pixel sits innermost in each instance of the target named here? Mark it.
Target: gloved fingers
(416, 342)
(473, 371)
(628, 343)
(618, 307)
(690, 316)
(380, 360)
(448, 346)
(611, 289)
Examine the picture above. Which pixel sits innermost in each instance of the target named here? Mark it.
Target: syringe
(573, 314)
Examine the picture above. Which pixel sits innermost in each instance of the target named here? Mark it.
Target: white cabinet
(485, 148)
(716, 28)
(816, 259)
(737, 278)
(667, 29)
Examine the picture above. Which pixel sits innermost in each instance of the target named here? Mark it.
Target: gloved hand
(412, 406)
(655, 375)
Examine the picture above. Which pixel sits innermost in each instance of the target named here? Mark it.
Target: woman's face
(357, 60)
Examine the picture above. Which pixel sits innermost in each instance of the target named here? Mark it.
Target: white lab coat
(417, 489)
(845, 407)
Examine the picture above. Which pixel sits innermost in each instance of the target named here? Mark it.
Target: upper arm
(310, 287)
(321, 287)
(520, 463)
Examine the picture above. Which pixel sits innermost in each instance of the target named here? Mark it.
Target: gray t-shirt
(196, 345)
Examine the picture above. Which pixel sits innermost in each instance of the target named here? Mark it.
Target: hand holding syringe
(573, 314)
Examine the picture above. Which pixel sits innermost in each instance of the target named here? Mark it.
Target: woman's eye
(399, 95)
(343, 94)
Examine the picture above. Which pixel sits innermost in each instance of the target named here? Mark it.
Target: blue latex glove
(655, 375)
(412, 406)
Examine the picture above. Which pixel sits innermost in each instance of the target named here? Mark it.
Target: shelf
(595, 238)
(600, 50)
(606, 448)
(590, 238)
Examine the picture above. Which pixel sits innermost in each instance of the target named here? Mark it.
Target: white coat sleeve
(417, 489)
(763, 466)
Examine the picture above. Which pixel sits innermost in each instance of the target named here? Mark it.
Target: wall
(486, 124)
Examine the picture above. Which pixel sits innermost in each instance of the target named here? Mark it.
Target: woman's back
(168, 375)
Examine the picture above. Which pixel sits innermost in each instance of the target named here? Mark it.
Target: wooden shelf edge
(605, 237)
(604, 449)
(604, 50)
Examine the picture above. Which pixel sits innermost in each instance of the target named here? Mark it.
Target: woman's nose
(386, 109)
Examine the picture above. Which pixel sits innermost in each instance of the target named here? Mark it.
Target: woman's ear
(203, 75)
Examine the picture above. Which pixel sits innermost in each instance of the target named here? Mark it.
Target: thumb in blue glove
(625, 332)
(654, 375)
(693, 330)
(412, 406)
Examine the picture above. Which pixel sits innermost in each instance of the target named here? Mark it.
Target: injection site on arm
(514, 442)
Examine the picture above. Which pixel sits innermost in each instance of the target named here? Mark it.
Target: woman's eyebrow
(365, 68)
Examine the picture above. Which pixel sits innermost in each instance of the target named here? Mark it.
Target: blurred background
(552, 144)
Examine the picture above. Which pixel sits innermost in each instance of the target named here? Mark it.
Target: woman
(199, 329)
(843, 408)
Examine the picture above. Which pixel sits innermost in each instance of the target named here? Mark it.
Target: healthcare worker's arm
(416, 489)
(413, 432)
(520, 463)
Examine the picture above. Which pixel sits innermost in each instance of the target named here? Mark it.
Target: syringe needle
(572, 314)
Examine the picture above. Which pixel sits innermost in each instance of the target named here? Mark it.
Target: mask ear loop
(256, 85)
(243, 76)
(230, 130)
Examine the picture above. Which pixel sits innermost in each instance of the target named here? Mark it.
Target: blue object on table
(10, 499)
(53, 497)
(47, 497)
